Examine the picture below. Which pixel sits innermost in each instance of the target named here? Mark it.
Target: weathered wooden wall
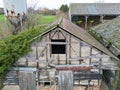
(75, 48)
(27, 80)
(65, 80)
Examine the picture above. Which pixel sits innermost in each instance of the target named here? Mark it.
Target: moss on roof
(109, 31)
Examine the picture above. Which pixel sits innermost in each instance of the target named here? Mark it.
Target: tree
(64, 8)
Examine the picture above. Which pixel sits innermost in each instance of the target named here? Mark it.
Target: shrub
(15, 46)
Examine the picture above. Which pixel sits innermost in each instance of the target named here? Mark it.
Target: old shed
(90, 14)
(66, 49)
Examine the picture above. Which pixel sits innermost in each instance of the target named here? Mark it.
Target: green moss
(110, 31)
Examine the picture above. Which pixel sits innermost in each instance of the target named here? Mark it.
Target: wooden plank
(27, 80)
(80, 51)
(88, 76)
(90, 55)
(96, 56)
(65, 80)
(69, 48)
(60, 43)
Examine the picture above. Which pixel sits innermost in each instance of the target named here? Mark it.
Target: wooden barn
(90, 14)
(63, 58)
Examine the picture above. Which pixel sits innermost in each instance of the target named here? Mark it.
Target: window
(58, 48)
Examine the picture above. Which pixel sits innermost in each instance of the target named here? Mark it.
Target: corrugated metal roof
(95, 8)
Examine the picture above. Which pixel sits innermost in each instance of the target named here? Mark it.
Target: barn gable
(66, 43)
(66, 47)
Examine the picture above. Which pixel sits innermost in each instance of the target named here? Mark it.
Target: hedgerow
(15, 46)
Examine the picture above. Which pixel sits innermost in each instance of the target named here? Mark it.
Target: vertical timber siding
(27, 80)
(65, 80)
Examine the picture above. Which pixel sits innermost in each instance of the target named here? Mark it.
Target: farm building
(66, 57)
(90, 14)
(109, 35)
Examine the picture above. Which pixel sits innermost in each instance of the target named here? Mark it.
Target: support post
(69, 48)
(90, 54)
(80, 51)
(46, 51)
(58, 54)
(86, 21)
(101, 18)
(66, 49)
(49, 44)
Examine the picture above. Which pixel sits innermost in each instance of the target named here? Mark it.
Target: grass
(40, 19)
(43, 19)
(47, 19)
(2, 18)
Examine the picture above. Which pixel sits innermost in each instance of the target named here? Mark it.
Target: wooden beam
(62, 34)
(86, 21)
(80, 51)
(57, 43)
(58, 38)
(50, 45)
(66, 46)
(69, 48)
(97, 56)
(90, 55)
(46, 51)
(88, 76)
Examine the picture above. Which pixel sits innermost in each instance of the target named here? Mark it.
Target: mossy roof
(110, 31)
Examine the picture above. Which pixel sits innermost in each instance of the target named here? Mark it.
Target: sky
(55, 4)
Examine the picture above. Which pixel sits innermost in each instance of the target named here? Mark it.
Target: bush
(15, 46)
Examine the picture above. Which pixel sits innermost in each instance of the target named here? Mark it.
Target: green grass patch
(47, 19)
(2, 17)
(41, 18)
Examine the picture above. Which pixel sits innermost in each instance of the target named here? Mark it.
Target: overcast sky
(54, 4)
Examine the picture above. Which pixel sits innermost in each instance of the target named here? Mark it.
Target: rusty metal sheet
(15, 11)
(74, 67)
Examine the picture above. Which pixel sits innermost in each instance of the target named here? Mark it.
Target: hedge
(15, 46)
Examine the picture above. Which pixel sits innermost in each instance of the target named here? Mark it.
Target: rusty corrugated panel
(74, 67)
